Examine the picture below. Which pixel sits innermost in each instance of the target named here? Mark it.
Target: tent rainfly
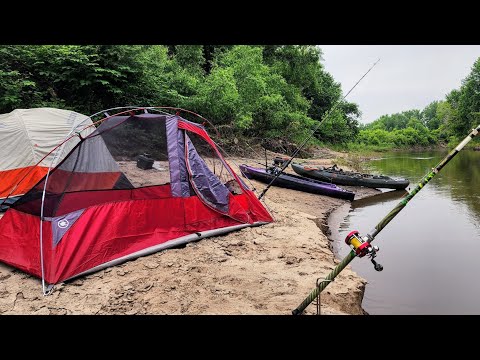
(95, 209)
(27, 137)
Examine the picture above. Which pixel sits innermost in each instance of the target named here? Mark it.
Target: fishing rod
(288, 161)
(361, 245)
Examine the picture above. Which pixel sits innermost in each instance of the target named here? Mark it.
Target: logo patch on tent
(62, 224)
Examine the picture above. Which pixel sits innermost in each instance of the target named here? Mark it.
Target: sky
(407, 76)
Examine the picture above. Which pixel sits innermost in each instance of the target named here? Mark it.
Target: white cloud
(407, 76)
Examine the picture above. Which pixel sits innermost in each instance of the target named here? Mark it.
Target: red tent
(96, 208)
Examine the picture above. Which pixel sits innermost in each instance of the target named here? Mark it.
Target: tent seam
(28, 134)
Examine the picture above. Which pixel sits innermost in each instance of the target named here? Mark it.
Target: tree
(191, 58)
(428, 116)
(250, 96)
(85, 78)
(469, 100)
(270, 91)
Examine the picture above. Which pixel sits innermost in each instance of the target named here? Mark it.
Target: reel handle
(376, 266)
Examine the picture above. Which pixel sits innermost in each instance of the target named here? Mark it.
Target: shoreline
(263, 270)
(347, 297)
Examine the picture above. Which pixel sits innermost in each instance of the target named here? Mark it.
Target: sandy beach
(263, 270)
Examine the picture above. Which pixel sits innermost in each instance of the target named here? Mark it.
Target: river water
(430, 250)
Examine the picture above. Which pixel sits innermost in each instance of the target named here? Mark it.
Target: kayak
(338, 176)
(296, 182)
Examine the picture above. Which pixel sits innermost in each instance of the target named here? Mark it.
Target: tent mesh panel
(103, 167)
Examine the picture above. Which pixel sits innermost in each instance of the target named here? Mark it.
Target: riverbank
(263, 270)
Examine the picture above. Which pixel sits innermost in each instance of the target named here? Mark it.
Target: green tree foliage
(467, 101)
(394, 121)
(301, 66)
(85, 78)
(191, 58)
(429, 117)
(276, 92)
(400, 130)
(444, 121)
(272, 91)
(245, 93)
(218, 96)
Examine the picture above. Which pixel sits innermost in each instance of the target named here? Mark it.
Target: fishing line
(361, 245)
(252, 186)
(286, 163)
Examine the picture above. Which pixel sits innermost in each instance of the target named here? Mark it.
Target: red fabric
(127, 221)
(25, 178)
(82, 199)
(257, 211)
(256, 207)
(62, 181)
(200, 132)
(107, 232)
(20, 242)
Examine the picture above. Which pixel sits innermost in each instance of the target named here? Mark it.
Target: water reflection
(459, 179)
(429, 250)
(379, 198)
